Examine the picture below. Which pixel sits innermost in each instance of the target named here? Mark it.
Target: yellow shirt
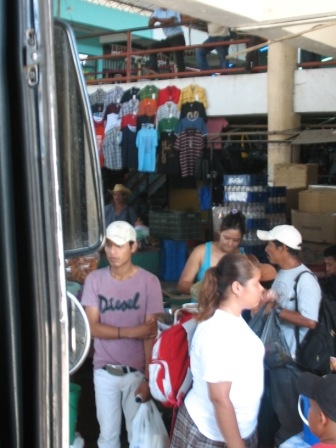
(192, 93)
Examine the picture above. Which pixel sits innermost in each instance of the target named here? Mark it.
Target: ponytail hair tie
(234, 211)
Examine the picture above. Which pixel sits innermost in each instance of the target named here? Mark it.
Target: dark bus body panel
(34, 384)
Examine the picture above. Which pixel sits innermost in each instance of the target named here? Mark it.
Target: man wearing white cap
(282, 249)
(122, 302)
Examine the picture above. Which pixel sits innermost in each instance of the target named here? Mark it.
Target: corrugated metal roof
(135, 6)
(309, 137)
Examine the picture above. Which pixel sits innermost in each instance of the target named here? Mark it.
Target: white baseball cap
(120, 232)
(286, 234)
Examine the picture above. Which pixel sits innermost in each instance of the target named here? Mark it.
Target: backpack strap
(296, 282)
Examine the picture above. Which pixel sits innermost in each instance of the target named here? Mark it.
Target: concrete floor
(88, 428)
(87, 425)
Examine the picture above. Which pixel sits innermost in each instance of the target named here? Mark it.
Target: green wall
(80, 13)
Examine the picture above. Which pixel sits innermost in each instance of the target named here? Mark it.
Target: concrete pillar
(282, 62)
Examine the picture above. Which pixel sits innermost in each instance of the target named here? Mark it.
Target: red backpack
(170, 376)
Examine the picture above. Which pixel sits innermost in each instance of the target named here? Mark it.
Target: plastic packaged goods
(78, 268)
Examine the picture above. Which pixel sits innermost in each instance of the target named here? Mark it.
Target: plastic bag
(257, 322)
(148, 429)
(277, 353)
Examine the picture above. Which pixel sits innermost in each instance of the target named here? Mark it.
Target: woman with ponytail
(221, 409)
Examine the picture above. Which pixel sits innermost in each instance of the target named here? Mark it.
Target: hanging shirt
(191, 93)
(194, 123)
(147, 106)
(131, 94)
(129, 120)
(98, 96)
(167, 110)
(99, 128)
(168, 158)
(114, 96)
(112, 116)
(97, 110)
(169, 93)
(129, 149)
(143, 120)
(147, 142)
(193, 110)
(190, 144)
(215, 126)
(149, 91)
(129, 108)
(167, 124)
(112, 149)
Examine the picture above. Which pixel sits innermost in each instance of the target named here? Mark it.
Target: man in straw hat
(118, 209)
(283, 249)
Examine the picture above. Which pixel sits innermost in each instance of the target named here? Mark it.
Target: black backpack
(314, 351)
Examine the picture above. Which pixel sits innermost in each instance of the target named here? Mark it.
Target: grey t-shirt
(122, 304)
(308, 295)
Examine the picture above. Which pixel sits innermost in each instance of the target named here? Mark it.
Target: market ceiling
(307, 24)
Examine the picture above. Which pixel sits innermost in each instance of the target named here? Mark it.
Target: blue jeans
(285, 395)
(222, 52)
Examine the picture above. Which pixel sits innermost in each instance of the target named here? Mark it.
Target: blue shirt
(168, 14)
(146, 142)
(126, 214)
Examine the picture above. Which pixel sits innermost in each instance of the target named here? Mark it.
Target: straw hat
(119, 188)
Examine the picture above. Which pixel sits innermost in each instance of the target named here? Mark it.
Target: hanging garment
(169, 93)
(168, 125)
(144, 120)
(191, 93)
(98, 96)
(131, 94)
(112, 149)
(204, 196)
(97, 110)
(146, 142)
(114, 96)
(112, 116)
(149, 91)
(129, 120)
(168, 157)
(193, 110)
(147, 106)
(190, 144)
(216, 126)
(129, 149)
(167, 110)
(192, 122)
(129, 107)
(99, 128)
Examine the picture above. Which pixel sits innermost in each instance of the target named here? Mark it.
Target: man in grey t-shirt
(122, 302)
(283, 248)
